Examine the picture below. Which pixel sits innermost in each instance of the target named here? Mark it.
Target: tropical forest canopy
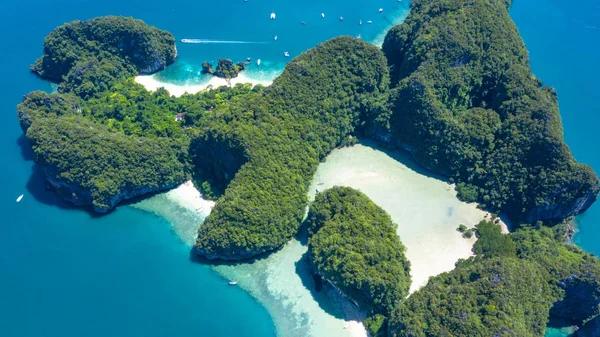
(353, 243)
(452, 85)
(465, 103)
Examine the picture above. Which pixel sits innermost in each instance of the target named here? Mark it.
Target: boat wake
(220, 41)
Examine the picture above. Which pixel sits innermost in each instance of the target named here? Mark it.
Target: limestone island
(225, 69)
(452, 85)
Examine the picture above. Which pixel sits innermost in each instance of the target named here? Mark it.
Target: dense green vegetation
(125, 141)
(505, 292)
(480, 298)
(102, 167)
(225, 68)
(491, 242)
(265, 148)
(465, 103)
(353, 243)
(88, 57)
(461, 97)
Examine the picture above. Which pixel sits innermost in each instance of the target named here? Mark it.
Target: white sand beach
(424, 207)
(152, 83)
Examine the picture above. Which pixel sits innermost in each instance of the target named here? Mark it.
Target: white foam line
(221, 41)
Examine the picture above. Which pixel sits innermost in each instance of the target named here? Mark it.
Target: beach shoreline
(152, 83)
(424, 207)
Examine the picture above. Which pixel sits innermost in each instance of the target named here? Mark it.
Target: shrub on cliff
(465, 102)
(353, 243)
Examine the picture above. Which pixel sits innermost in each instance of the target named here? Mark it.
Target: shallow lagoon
(424, 207)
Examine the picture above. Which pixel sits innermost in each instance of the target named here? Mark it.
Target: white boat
(380, 10)
(273, 16)
(341, 18)
(20, 197)
(258, 62)
(369, 22)
(275, 38)
(360, 22)
(322, 15)
(232, 283)
(286, 54)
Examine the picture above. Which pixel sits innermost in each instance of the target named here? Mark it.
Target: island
(452, 85)
(353, 245)
(225, 69)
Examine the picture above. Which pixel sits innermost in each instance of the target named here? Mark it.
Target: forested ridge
(266, 149)
(505, 292)
(353, 243)
(465, 103)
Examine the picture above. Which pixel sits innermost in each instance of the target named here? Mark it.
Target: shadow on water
(25, 147)
(37, 185)
(320, 290)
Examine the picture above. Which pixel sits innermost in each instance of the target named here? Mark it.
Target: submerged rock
(590, 329)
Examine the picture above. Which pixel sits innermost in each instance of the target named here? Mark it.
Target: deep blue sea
(65, 273)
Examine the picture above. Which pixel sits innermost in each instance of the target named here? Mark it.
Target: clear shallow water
(65, 273)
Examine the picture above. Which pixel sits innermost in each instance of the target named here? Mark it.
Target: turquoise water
(65, 273)
(563, 39)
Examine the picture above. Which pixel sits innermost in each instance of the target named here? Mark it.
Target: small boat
(341, 18)
(320, 183)
(323, 15)
(360, 22)
(380, 10)
(358, 36)
(286, 54)
(317, 190)
(20, 197)
(232, 283)
(369, 22)
(258, 62)
(275, 38)
(273, 16)
(248, 59)
(303, 22)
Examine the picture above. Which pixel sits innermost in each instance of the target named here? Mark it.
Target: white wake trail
(220, 41)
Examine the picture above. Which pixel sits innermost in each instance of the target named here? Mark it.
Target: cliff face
(157, 62)
(217, 157)
(581, 300)
(562, 210)
(81, 196)
(465, 103)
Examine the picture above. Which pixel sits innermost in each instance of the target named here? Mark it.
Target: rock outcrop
(82, 197)
(581, 300)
